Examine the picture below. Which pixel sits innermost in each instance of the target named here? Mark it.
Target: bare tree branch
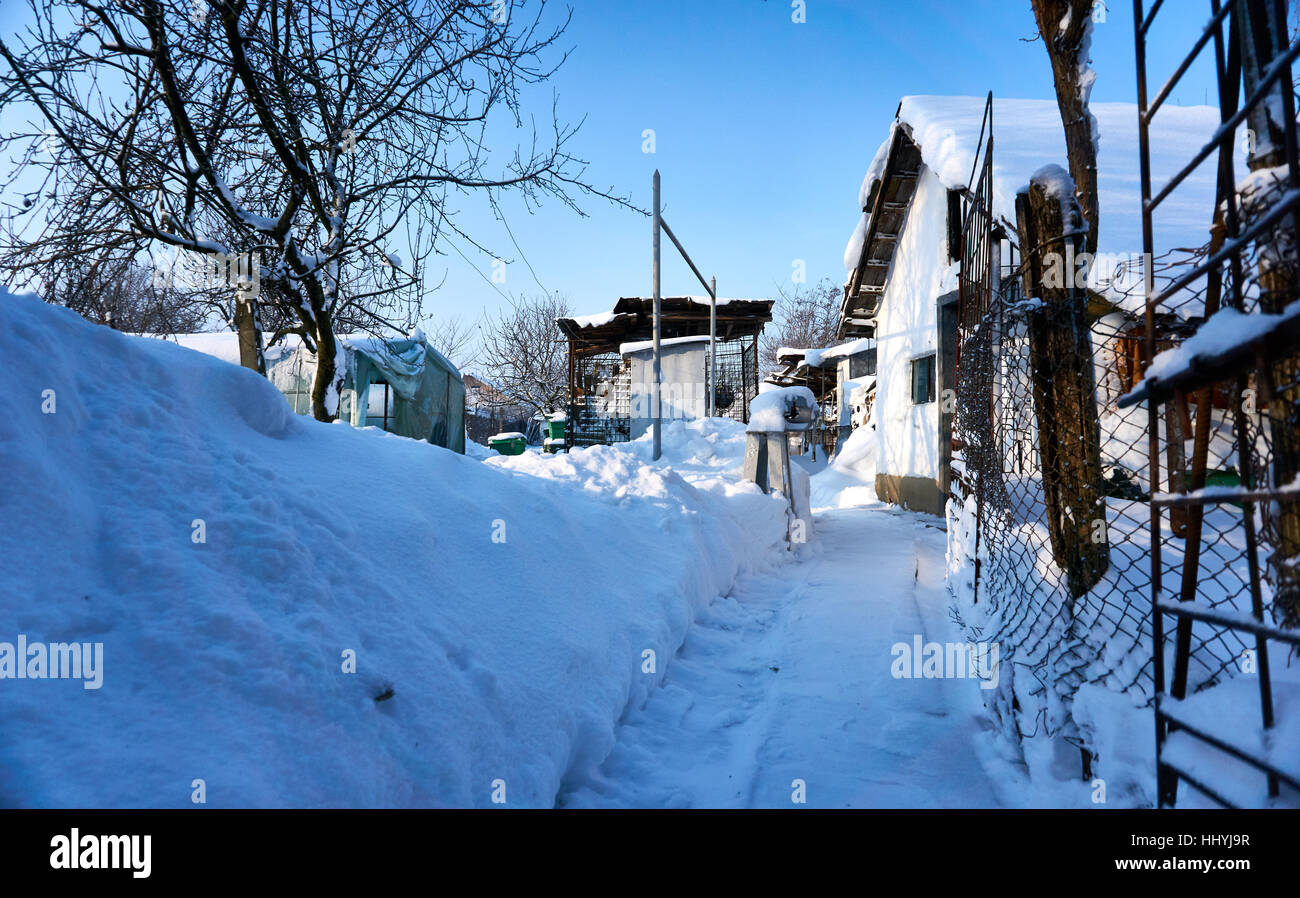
(307, 140)
(525, 357)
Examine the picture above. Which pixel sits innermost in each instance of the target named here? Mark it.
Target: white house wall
(843, 378)
(907, 328)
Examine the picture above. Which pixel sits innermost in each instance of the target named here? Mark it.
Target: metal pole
(656, 396)
(663, 223)
(713, 334)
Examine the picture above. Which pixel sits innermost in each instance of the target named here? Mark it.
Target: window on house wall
(379, 406)
(862, 364)
(923, 380)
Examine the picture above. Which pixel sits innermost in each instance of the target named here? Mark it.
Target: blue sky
(764, 129)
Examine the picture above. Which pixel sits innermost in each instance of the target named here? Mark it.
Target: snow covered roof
(631, 320)
(1028, 135)
(643, 345)
(600, 318)
(819, 357)
(224, 345)
(633, 305)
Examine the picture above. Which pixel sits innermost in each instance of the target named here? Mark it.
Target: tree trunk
(1068, 54)
(1064, 390)
(326, 367)
(1203, 400)
(249, 326)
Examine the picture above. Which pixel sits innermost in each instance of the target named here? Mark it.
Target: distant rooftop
(631, 320)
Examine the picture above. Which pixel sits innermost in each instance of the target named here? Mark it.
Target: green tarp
(428, 401)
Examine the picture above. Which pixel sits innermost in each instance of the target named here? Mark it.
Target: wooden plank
(1065, 407)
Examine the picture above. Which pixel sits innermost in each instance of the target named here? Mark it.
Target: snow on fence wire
(1017, 582)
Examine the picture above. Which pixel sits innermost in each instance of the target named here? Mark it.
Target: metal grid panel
(1252, 267)
(601, 406)
(737, 373)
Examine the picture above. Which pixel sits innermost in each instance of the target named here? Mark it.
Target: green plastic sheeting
(428, 392)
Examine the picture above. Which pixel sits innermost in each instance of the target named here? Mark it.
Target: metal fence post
(713, 355)
(658, 444)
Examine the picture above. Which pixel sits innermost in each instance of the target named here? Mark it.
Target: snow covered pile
(850, 478)
(698, 447)
(300, 614)
(784, 408)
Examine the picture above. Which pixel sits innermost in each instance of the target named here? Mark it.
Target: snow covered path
(788, 678)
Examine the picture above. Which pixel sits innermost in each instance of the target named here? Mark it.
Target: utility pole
(658, 374)
(712, 287)
(713, 333)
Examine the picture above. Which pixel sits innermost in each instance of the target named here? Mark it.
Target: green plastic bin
(553, 433)
(508, 443)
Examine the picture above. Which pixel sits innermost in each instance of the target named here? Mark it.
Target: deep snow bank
(506, 605)
(850, 477)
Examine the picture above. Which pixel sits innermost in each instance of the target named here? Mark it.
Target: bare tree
(122, 295)
(804, 318)
(1066, 29)
(487, 412)
(456, 338)
(524, 355)
(294, 145)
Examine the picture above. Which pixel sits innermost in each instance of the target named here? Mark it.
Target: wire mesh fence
(737, 378)
(1066, 616)
(600, 400)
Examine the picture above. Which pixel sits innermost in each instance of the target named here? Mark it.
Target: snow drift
(231, 557)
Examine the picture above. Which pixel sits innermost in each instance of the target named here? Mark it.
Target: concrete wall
(683, 389)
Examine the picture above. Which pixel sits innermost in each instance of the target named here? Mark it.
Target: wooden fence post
(1064, 383)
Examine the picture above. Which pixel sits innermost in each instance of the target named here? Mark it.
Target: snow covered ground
(788, 679)
(289, 613)
(235, 563)
(784, 693)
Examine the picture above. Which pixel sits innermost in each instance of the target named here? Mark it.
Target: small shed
(835, 375)
(610, 367)
(905, 258)
(683, 362)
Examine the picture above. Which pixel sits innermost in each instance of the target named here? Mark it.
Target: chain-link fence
(1065, 616)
